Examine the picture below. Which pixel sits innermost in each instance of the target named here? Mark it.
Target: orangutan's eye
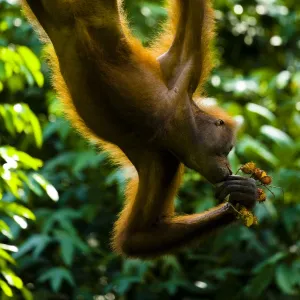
(219, 122)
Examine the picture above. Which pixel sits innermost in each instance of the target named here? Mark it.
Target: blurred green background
(59, 196)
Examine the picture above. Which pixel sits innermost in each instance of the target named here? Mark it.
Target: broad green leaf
(16, 83)
(259, 283)
(30, 59)
(39, 78)
(270, 261)
(261, 111)
(253, 149)
(284, 279)
(277, 135)
(283, 78)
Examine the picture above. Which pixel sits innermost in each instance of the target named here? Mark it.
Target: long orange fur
(160, 171)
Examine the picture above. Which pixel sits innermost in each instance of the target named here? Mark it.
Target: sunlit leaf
(6, 289)
(20, 221)
(261, 111)
(39, 78)
(34, 186)
(277, 135)
(49, 188)
(36, 128)
(6, 256)
(7, 247)
(12, 279)
(8, 119)
(5, 230)
(283, 79)
(29, 58)
(17, 209)
(25, 159)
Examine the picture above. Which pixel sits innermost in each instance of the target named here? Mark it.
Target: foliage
(67, 195)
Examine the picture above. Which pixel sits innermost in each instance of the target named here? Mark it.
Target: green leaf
(2, 71)
(6, 256)
(270, 261)
(17, 209)
(67, 250)
(73, 241)
(122, 285)
(30, 59)
(277, 135)
(63, 217)
(234, 160)
(36, 128)
(26, 294)
(5, 230)
(8, 119)
(37, 243)
(7, 247)
(49, 188)
(283, 79)
(261, 111)
(10, 153)
(284, 279)
(254, 149)
(34, 186)
(260, 282)
(12, 278)
(56, 276)
(6, 289)
(39, 78)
